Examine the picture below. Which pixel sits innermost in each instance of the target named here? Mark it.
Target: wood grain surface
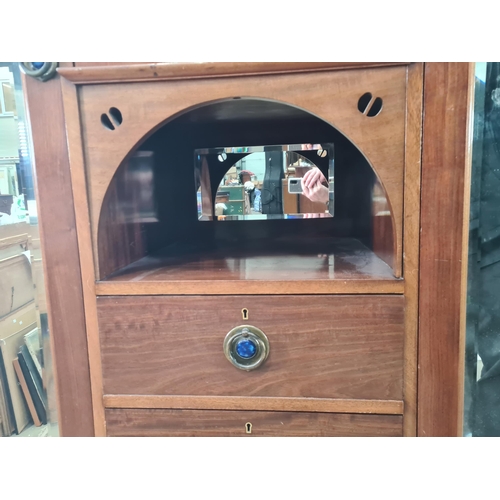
(85, 251)
(250, 287)
(444, 164)
(290, 260)
(135, 422)
(321, 347)
(120, 241)
(348, 267)
(103, 72)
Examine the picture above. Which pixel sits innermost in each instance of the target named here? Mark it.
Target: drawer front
(142, 422)
(320, 346)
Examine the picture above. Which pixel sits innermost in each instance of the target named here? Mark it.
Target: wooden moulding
(411, 227)
(143, 72)
(85, 252)
(465, 249)
(382, 407)
(253, 287)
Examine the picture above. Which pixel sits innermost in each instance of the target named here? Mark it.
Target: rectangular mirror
(286, 181)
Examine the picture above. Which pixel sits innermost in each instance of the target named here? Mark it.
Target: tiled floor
(49, 430)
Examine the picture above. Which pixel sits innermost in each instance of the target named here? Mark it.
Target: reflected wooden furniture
(6, 203)
(342, 323)
(18, 299)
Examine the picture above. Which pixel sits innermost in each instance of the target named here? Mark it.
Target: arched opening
(151, 205)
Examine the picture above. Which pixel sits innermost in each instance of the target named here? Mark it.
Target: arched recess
(124, 235)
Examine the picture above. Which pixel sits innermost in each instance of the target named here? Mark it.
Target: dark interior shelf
(285, 260)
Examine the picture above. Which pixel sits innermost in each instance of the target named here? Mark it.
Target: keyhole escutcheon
(248, 428)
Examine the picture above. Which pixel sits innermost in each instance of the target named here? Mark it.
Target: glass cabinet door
(27, 386)
(482, 356)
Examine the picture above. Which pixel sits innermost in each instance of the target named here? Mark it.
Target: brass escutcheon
(249, 332)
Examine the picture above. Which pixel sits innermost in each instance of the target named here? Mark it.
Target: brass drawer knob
(246, 347)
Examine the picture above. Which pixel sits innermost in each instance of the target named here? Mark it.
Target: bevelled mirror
(285, 181)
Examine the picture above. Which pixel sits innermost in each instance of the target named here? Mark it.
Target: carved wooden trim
(183, 71)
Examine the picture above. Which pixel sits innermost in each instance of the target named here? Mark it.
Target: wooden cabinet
(337, 297)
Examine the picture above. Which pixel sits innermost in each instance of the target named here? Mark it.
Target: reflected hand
(312, 186)
(311, 146)
(312, 177)
(317, 193)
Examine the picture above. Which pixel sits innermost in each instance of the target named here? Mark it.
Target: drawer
(142, 422)
(320, 346)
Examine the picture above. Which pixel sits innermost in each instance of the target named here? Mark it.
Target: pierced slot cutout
(116, 115)
(107, 122)
(369, 106)
(376, 107)
(363, 102)
(115, 121)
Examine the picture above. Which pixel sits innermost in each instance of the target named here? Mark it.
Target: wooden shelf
(344, 266)
(324, 405)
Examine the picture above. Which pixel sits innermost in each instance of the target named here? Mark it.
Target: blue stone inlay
(37, 65)
(246, 348)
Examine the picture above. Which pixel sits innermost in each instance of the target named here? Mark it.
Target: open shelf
(152, 240)
(339, 265)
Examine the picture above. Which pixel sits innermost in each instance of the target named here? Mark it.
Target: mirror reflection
(265, 182)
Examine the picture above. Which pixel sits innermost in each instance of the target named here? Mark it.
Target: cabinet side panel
(444, 167)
